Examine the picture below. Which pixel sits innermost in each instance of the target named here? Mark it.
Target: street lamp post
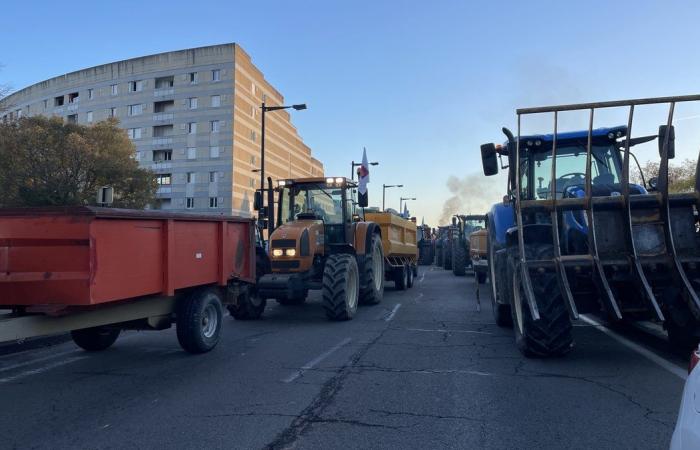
(384, 186)
(354, 164)
(264, 108)
(401, 200)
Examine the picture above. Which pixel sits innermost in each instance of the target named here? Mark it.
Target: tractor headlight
(339, 181)
(282, 183)
(277, 252)
(290, 252)
(329, 180)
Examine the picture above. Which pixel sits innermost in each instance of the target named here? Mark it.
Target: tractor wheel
(373, 274)
(552, 334)
(249, 307)
(459, 258)
(409, 277)
(341, 287)
(199, 321)
(447, 256)
(401, 278)
(500, 285)
(683, 330)
(95, 339)
(298, 298)
(481, 277)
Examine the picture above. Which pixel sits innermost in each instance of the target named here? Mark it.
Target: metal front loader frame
(672, 209)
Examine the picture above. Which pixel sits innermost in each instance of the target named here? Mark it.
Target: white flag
(363, 174)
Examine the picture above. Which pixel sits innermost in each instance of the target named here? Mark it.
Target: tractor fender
(501, 218)
(364, 231)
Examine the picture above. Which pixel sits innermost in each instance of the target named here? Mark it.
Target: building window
(251, 182)
(112, 112)
(213, 202)
(135, 86)
(215, 126)
(252, 88)
(215, 101)
(191, 177)
(216, 75)
(134, 110)
(212, 177)
(91, 94)
(253, 159)
(58, 101)
(190, 203)
(191, 153)
(137, 156)
(115, 89)
(164, 179)
(134, 133)
(192, 127)
(165, 82)
(193, 102)
(252, 135)
(89, 116)
(193, 77)
(214, 152)
(46, 104)
(73, 97)
(72, 118)
(162, 155)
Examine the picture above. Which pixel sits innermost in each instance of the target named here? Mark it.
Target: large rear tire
(459, 258)
(95, 339)
(341, 287)
(409, 277)
(199, 321)
(373, 276)
(551, 335)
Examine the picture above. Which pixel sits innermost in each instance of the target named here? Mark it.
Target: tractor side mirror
(257, 200)
(671, 141)
(489, 159)
(652, 184)
(363, 199)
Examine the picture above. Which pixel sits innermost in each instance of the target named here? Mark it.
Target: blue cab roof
(577, 135)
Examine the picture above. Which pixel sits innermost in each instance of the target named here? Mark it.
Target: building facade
(194, 118)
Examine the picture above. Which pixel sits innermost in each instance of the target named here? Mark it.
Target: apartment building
(194, 118)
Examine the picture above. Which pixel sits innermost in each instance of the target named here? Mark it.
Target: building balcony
(162, 141)
(164, 190)
(163, 92)
(163, 116)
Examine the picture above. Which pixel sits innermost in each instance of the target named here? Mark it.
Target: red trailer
(96, 271)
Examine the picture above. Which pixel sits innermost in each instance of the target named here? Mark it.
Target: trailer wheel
(341, 287)
(199, 321)
(400, 278)
(459, 258)
(298, 298)
(552, 334)
(409, 277)
(373, 276)
(95, 339)
(250, 306)
(414, 267)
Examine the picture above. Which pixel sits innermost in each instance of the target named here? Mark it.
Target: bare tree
(4, 92)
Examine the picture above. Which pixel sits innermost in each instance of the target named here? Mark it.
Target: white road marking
(651, 356)
(41, 369)
(447, 331)
(391, 315)
(418, 297)
(36, 360)
(311, 364)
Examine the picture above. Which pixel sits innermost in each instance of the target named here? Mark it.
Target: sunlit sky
(419, 84)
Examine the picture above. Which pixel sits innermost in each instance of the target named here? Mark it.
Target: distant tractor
(426, 246)
(478, 253)
(462, 227)
(574, 235)
(322, 241)
(440, 244)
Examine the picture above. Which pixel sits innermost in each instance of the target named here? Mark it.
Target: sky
(419, 84)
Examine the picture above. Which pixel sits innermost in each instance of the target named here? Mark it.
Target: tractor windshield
(311, 201)
(536, 170)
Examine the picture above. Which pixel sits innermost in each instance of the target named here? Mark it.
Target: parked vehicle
(95, 271)
(462, 227)
(686, 435)
(440, 244)
(426, 246)
(574, 235)
(478, 253)
(322, 241)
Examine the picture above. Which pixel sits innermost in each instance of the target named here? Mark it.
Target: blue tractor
(573, 235)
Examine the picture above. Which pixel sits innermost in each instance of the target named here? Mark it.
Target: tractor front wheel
(341, 287)
(459, 258)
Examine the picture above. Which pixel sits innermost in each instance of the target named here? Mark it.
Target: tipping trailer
(575, 235)
(462, 227)
(96, 271)
(399, 245)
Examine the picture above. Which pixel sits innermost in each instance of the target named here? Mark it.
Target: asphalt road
(427, 369)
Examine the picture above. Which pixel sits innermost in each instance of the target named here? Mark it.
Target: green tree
(46, 162)
(681, 177)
